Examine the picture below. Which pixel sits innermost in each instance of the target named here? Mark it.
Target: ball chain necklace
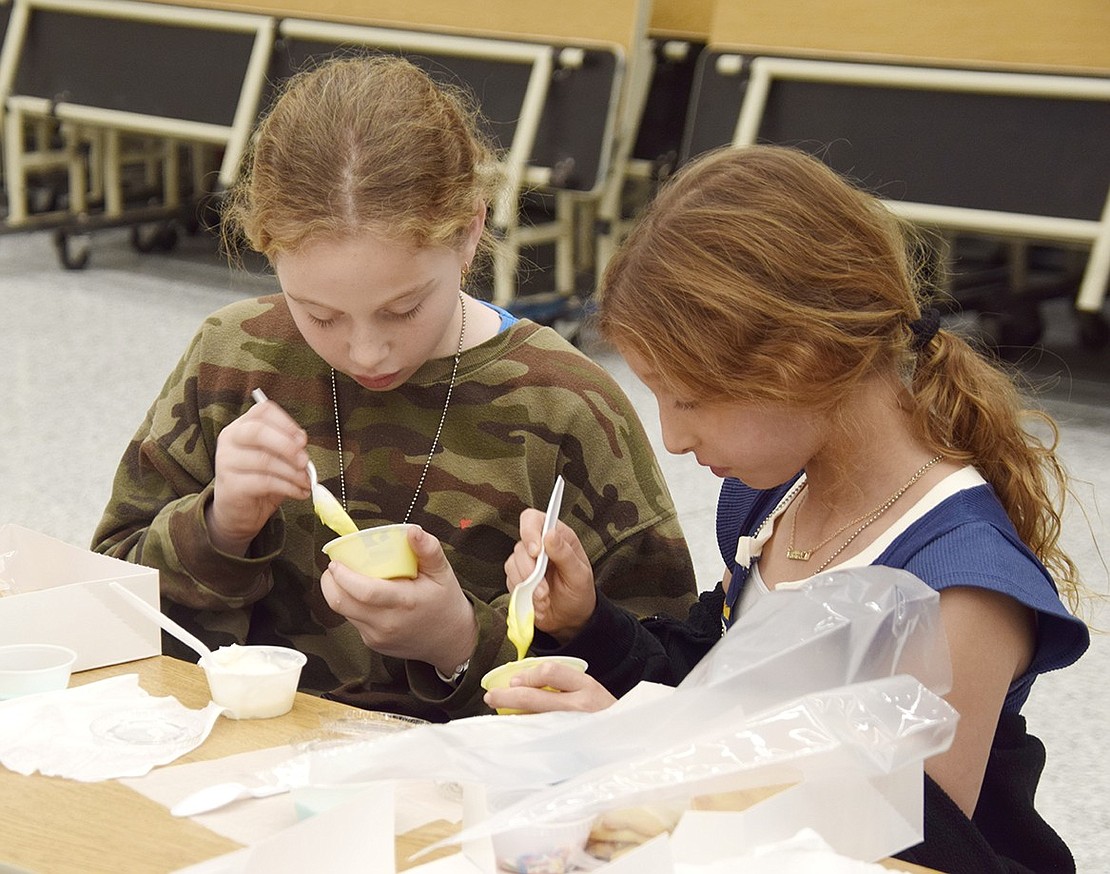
(804, 554)
(439, 427)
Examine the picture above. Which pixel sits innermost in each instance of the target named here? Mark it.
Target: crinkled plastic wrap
(832, 751)
(839, 680)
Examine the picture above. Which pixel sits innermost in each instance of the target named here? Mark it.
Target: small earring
(464, 273)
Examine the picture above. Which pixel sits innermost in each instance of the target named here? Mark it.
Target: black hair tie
(925, 328)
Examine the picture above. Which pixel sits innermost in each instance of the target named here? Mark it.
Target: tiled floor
(83, 353)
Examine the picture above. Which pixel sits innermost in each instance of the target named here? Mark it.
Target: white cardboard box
(58, 593)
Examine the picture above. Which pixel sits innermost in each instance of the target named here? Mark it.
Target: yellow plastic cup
(382, 552)
(500, 676)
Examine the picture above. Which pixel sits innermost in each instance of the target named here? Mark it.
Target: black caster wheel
(191, 224)
(73, 249)
(162, 238)
(1008, 333)
(1022, 324)
(204, 216)
(1094, 330)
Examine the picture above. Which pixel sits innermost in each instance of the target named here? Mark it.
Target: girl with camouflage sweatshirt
(366, 190)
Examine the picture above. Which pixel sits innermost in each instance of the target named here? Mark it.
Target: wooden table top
(50, 824)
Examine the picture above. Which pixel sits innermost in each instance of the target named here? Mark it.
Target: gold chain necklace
(805, 554)
(867, 519)
(439, 427)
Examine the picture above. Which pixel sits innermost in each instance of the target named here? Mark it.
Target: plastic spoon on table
(521, 620)
(163, 620)
(220, 794)
(325, 504)
(282, 777)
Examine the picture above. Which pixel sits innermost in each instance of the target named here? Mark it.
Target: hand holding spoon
(326, 505)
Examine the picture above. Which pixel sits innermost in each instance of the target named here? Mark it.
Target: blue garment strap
(507, 318)
(946, 548)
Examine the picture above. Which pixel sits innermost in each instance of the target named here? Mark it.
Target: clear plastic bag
(839, 680)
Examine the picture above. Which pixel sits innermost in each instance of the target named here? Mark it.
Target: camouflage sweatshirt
(526, 406)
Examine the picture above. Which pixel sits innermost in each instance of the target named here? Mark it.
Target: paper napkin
(99, 731)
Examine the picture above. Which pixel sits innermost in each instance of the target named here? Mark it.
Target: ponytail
(971, 410)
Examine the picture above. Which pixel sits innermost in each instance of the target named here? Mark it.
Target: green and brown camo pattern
(526, 406)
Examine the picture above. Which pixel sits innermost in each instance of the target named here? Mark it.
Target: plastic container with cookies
(547, 846)
(543, 848)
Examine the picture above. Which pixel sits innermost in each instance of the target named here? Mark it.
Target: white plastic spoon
(216, 796)
(521, 618)
(163, 620)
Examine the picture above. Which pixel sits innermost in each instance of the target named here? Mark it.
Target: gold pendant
(798, 554)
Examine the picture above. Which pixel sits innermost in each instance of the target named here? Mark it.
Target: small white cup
(27, 668)
(254, 682)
